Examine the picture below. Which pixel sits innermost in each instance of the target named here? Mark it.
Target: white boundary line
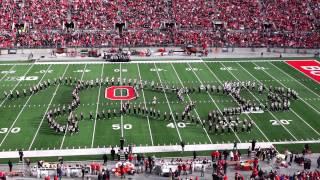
(150, 61)
(291, 108)
(145, 106)
(214, 102)
(145, 149)
(50, 102)
(296, 79)
(98, 101)
(7, 73)
(260, 102)
(65, 133)
(25, 105)
(236, 101)
(16, 85)
(287, 87)
(165, 94)
(131, 62)
(199, 119)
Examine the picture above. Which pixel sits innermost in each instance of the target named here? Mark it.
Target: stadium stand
(79, 23)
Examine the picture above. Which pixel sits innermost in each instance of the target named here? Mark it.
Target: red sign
(311, 68)
(110, 93)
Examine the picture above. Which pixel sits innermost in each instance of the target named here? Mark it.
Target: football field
(23, 124)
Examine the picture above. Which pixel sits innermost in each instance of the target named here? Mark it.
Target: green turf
(35, 133)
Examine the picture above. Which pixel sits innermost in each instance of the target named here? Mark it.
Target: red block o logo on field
(110, 93)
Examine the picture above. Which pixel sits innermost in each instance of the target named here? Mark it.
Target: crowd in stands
(244, 23)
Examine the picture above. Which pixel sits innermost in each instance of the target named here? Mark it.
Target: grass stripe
(165, 94)
(145, 106)
(95, 119)
(54, 94)
(199, 119)
(22, 109)
(213, 99)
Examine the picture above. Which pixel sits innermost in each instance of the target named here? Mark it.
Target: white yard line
(290, 109)
(199, 119)
(165, 94)
(287, 87)
(65, 133)
(50, 102)
(7, 73)
(121, 103)
(98, 101)
(24, 106)
(145, 106)
(214, 102)
(295, 80)
(260, 103)
(16, 85)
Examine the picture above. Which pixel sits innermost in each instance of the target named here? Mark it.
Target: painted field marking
(97, 108)
(121, 104)
(165, 94)
(310, 68)
(291, 108)
(65, 133)
(146, 149)
(213, 101)
(16, 85)
(260, 102)
(216, 77)
(298, 95)
(54, 94)
(199, 119)
(24, 106)
(7, 73)
(297, 80)
(145, 106)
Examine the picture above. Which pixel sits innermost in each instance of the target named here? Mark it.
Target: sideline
(144, 149)
(150, 61)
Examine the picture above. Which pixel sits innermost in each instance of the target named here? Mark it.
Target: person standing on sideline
(121, 143)
(20, 155)
(235, 145)
(10, 165)
(105, 159)
(194, 155)
(182, 146)
(112, 152)
(253, 144)
(318, 162)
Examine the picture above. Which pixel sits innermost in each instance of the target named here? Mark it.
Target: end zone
(310, 68)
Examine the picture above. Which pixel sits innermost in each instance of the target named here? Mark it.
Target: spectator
(202, 171)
